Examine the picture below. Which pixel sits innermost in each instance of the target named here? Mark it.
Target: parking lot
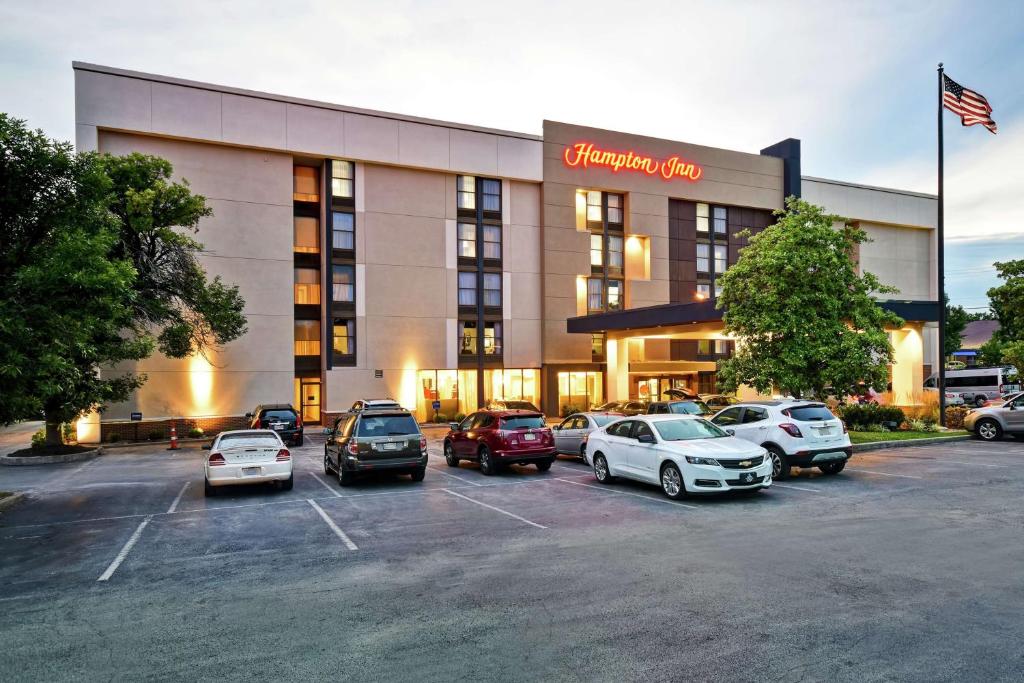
(905, 566)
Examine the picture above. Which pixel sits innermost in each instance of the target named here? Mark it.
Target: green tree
(804, 318)
(956, 321)
(991, 352)
(1007, 300)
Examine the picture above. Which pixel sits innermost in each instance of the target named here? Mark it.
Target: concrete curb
(129, 444)
(51, 459)
(11, 501)
(883, 445)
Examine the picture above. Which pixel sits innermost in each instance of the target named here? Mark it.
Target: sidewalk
(18, 436)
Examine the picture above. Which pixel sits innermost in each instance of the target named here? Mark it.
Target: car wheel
(832, 467)
(449, 456)
(327, 463)
(988, 430)
(345, 478)
(487, 465)
(780, 463)
(672, 481)
(601, 471)
(418, 474)
(210, 491)
(979, 401)
(288, 483)
(543, 465)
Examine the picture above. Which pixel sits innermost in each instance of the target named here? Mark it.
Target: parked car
(975, 385)
(572, 434)
(991, 423)
(496, 438)
(680, 393)
(375, 439)
(1002, 400)
(625, 407)
(279, 417)
(688, 407)
(685, 454)
(794, 432)
(247, 456)
(719, 400)
(512, 405)
(365, 403)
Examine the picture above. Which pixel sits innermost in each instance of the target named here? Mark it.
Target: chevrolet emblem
(746, 463)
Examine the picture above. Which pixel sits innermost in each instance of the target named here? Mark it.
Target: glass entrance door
(309, 399)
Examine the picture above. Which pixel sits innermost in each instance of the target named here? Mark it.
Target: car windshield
(614, 405)
(250, 440)
(387, 425)
(812, 413)
(689, 408)
(522, 422)
(687, 430)
(602, 420)
(279, 415)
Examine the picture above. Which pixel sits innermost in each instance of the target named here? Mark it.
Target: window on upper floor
(492, 242)
(467, 240)
(467, 338)
(343, 280)
(596, 250)
(466, 192)
(343, 179)
(492, 339)
(703, 290)
(615, 209)
(306, 235)
(594, 211)
(615, 259)
(344, 230)
(595, 294)
(344, 337)
(703, 214)
(703, 258)
(492, 289)
(490, 191)
(305, 184)
(307, 337)
(614, 295)
(467, 289)
(721, 258)
(307, 286)
(720, 222)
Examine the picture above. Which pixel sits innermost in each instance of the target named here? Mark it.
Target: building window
(492, 289)
(492, 339)
(491, 191)
(342, 179)
(595, 294)
(703, 290)
(344, 337)
(718, 289)
(305, 185)
(307, 337)
(467, 289)
(467, 240)
(594, 206)
(344, 229)
(702, 218)
(467, 338)
(307, 235)
(466, 198)
(720, 220)
(597, 345)
(492, 241)
(615, 252)
(344, 281)
(615, 209)
(721, 258)
(721, 347)
(596, 250)
(307, 286)
(703, 258)
(614, 295)
(704, 347)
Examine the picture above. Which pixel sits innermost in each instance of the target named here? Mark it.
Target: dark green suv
(375, 440)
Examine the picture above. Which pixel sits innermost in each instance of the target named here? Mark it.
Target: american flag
(971, 107)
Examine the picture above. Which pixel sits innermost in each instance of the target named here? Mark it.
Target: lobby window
(490, 191)
(492, 289)
(721, 258)
(306, 235)
(344, 229)
(344, 339)
(595, 294)
(492, 242)
(307, 286)
(615, 209)
(467, 338)
(597, 345)
(703, 258)
(702, 218)
(614, 295)
(467, 240)
(596, 250)
(466, 197)
(492, 339)
(305, 184)
(615, 259)
(720, 220)
(344, 283)
(307, 337)
(467, 289)
(342, 179)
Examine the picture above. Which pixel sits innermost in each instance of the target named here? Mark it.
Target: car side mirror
(646, 438)
(730, 432)
(207, 446)
(556, 428)
(328, 431)
(454, 426)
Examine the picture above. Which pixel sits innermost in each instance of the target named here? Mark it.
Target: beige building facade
(449, 266)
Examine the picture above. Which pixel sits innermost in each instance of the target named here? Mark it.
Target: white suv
(795, 433)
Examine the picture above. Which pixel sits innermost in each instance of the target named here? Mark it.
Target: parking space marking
(884, 474)
(455, 476)
(334, 527)
(496, 509)
(105, 576)
(940, 460)
(628, 493)
(177, 499)
(326, 485)
(798, 488)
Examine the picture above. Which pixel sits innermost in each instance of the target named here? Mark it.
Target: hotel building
(389, 255)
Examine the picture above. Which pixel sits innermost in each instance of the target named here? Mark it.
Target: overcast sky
(855, 82)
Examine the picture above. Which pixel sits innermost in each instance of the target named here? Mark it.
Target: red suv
(496, 438)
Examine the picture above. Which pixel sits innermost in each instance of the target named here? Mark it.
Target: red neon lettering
(585, 155)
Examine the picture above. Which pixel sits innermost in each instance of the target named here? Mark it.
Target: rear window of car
(522, 422)
(387, 425)
(279, 415)
(687, 430)
(250, 440)
(816, 413)
(520, 405)
(689, 408)
(602, 420)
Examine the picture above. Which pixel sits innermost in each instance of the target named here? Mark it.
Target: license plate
(250, 471)
(389, 446)
(529, 437)
(277, 426)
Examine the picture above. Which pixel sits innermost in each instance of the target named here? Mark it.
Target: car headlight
(694, 460)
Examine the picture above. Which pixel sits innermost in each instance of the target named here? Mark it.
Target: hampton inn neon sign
(585, 155)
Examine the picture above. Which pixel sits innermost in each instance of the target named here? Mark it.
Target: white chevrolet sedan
(685, 454)
(248, 456)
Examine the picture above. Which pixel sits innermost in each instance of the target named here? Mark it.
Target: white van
(975, 385)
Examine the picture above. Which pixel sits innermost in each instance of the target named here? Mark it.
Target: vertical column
(617, 355)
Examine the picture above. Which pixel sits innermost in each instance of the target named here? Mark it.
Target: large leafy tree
(804, 318)
(1006, 302)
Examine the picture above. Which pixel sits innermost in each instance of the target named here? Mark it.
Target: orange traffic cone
(174, 437)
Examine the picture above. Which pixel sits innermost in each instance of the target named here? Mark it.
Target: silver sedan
(571, 435)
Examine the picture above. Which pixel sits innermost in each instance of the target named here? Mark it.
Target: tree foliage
(804, 318)
(956, 322)
(1006, 301)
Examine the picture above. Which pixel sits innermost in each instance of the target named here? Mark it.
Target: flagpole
(941, 237)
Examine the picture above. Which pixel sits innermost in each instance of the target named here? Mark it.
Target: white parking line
(334, 527)
(942, 460)
(496, 509)
(105, 576)
(454, 476)
(177, 499)
(790, 486)
(884, 474)
(326, 485)
(627, 493)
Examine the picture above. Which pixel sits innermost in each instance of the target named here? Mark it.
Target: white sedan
(683, 453)
(248, 456)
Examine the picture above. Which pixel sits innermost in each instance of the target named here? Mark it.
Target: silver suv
(991, 422)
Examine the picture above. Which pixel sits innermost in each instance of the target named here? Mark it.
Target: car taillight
(423, 443)
(547, 436)
(352, 448)
(791, 429)
(216, 459)
(298, 421)
(844, 426)
(283, 455)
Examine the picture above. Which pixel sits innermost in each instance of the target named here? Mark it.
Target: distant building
(974, 337)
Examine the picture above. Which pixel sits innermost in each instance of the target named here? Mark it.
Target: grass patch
(5, 494)
(873, 437)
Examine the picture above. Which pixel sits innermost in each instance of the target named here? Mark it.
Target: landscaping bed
(44, 451)
(874, 437)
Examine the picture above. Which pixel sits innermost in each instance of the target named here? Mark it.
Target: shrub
(114, 438)
(917, 425)
(459, 417)
(875, 428)
(569, 410)
(68, 432)
(440, 418)
(155, 435)
(955, 416)
(862, 417)
(195, 433)
(39, 439)
(928, 411)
